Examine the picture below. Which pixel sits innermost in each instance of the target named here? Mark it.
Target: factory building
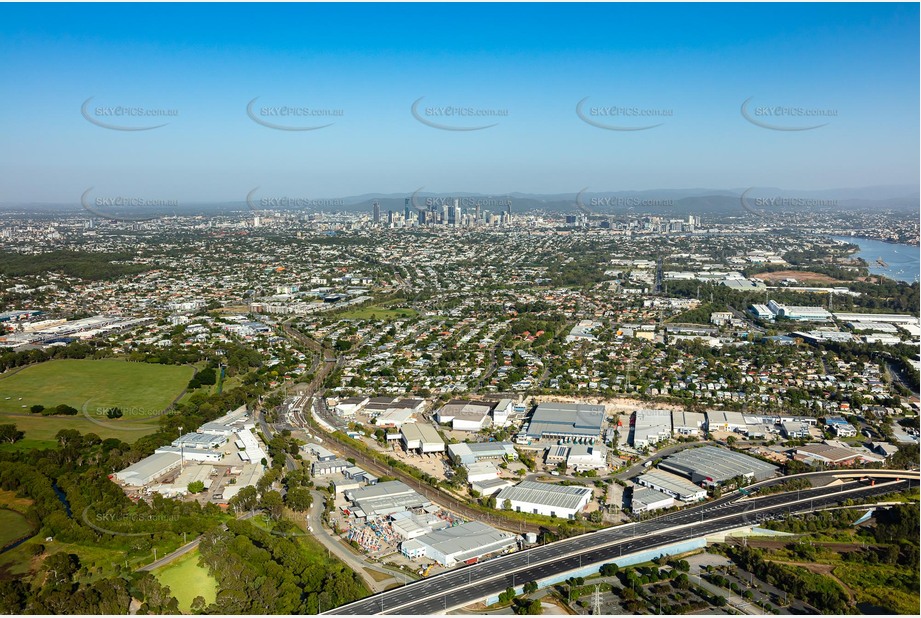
(200, 441)
(149, 469)
(411, 525)
(467, 542)
(891, 318)
(350, 405)
(762, 312)
(570, 422)
(482, 471)
(645, 500)
(651, 427)
(543, 499)
(421, 437)
(385, 499)
(490, 487)
(671, 484)
(247, 476)
(726, 420)
(329, 466)
(582, 457)
(557, 454)
(688, 423)
(501, 413)
(711, 466)
(465, 415)
(193, 454)
(321, 453)
(468, 453)
(799, 313)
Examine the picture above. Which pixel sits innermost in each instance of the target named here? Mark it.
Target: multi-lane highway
(474, 583)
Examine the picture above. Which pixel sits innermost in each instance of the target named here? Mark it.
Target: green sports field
(142, 391)
(187, 580)
(13, 526)
(378, 313)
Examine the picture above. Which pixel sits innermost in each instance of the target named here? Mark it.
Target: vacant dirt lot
(800, 275)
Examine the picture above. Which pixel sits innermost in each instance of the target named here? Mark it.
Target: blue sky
(696, 62)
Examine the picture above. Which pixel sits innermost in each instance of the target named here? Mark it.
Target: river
(902, 261)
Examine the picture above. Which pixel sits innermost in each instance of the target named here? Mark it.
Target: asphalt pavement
(473, 583)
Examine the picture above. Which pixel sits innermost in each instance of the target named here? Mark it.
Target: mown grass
(13, 526)
(187, 579)
(142, 391)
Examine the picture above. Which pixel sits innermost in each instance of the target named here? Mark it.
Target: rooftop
(566, 419)
(569, 497)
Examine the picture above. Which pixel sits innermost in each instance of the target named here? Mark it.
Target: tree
(507, 596)
(298, 499)
(530, 587)
(37, 409)
(272, 502)
(196, 487)
(114, 413)
(61, 568)
(507, 504)
(245, 500)
(528, 607)
(609, 570)
(9, 434)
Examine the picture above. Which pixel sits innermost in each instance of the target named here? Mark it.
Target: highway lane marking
(665, 533)
(768, 501)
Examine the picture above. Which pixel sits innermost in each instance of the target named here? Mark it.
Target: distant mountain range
(677, 202)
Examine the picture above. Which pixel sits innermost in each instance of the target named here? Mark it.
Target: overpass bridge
(544, 564)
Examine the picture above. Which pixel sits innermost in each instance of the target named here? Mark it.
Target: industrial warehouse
(207, 453)
(470, 453)
(384, 499)
(467, 542)
(570, 422)
(421, 437)
(712, 466)
(543, 499)
(672, 485)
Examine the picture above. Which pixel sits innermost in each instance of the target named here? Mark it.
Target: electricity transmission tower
(596, 601)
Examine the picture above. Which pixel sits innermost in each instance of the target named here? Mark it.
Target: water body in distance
(902, 261)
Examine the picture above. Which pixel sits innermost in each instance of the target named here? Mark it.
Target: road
(156, 564)
(436, 495)
(473, 583)
(637, 468)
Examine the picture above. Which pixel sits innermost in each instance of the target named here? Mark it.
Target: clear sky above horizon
(695, 64)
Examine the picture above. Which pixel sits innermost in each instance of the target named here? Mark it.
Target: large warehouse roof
(671, 483)
(468, 540)
(145, 470)
(576, 419)
(562, 496)
(422, 432)
(385, 498)
(473, 451)
(716, 465)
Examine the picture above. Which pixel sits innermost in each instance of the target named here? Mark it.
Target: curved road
(474, 583)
